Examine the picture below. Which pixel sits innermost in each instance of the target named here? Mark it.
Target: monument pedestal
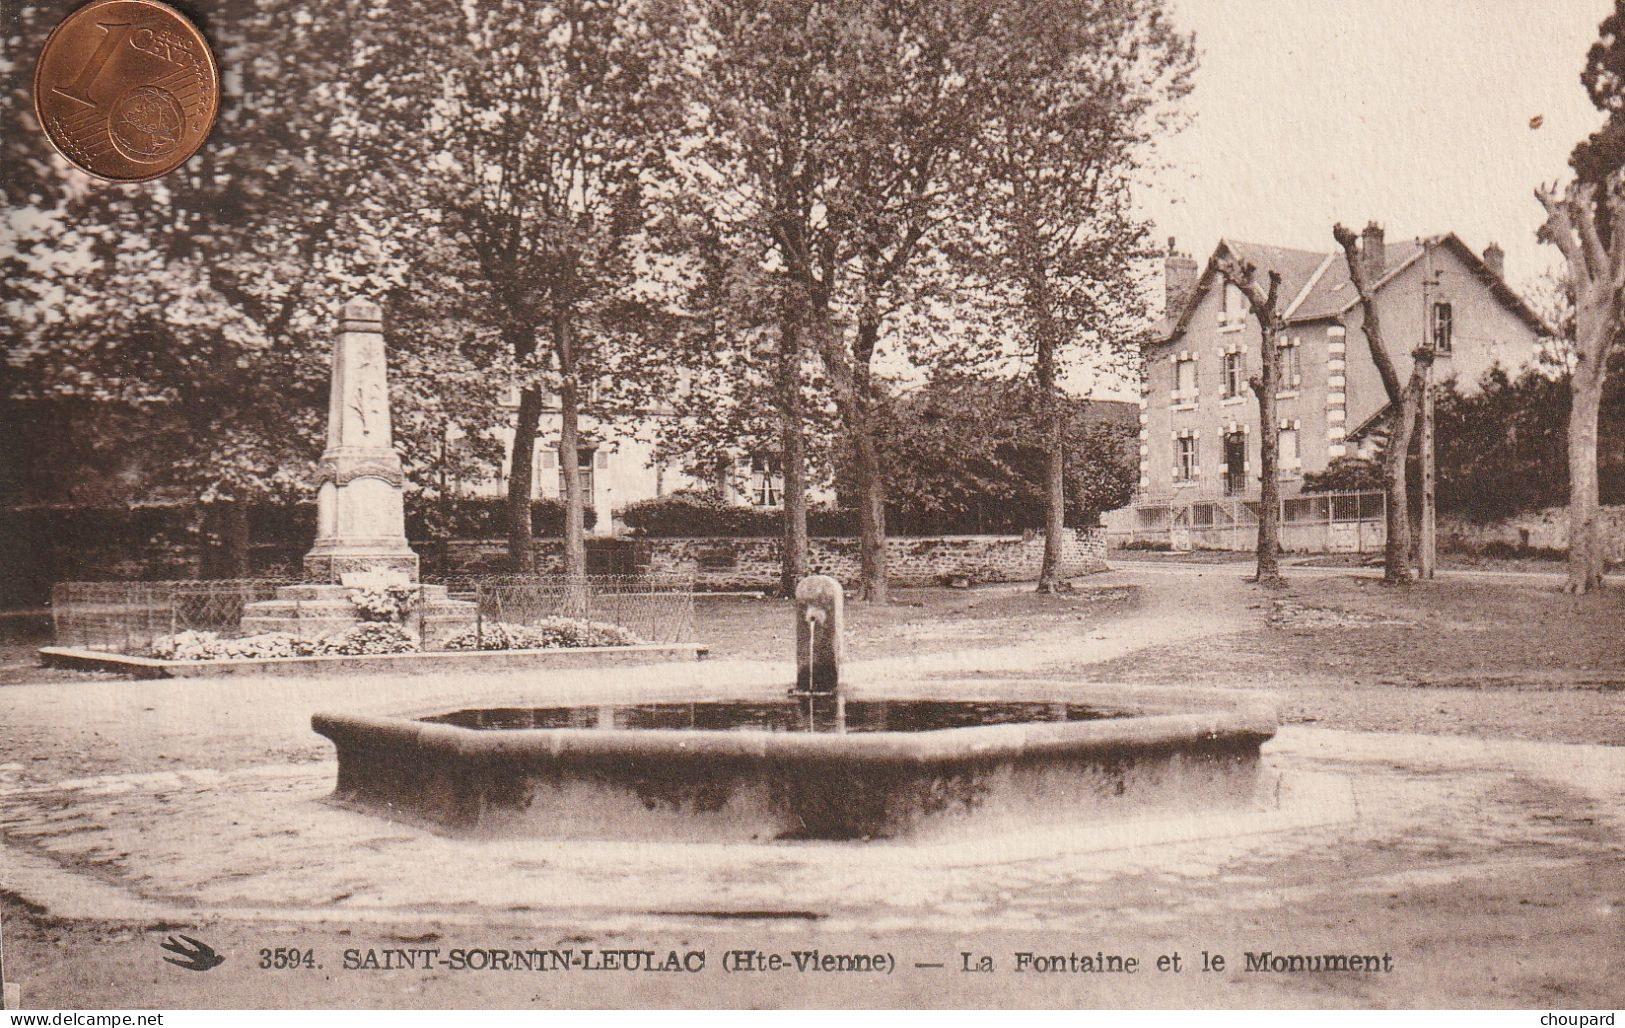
(315, 609)
(360, 520)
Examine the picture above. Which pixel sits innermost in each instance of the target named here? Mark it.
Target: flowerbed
(369, 638)
(549, 633)
(373, 637)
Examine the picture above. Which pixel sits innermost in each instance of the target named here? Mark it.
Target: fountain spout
(820, 635)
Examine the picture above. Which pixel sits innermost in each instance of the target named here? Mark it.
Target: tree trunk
(792, 453)
(859, 412)
(1049, 570)
(575, 541)
(871, 514)
(235, 537)
(1050, 579)
(1585, 549)
(1396, 561)
(521, 480)
(1269, 459)
(1427, 538)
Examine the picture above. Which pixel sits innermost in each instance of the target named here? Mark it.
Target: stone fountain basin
(766, 786)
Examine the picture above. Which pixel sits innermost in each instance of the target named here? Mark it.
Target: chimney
(1373, 259)
(1178, 280)
(1495, 259)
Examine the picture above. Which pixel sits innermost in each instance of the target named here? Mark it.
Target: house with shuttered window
(1199, 430)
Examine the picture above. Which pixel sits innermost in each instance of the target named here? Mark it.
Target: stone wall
(716, 563)
(1542, 530)
(724, 563)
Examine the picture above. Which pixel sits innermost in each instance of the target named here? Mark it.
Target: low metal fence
(657, 608)
(129, 617)
(126, 617)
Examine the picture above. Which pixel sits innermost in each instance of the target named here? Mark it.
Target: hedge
(693, 514)
(690, 513)
(482, 517)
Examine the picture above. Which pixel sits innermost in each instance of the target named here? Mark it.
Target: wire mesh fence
(129, 617)
(656, 608)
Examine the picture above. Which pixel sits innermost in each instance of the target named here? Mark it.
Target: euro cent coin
(126, 90)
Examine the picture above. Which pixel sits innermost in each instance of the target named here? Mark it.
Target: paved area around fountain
(1385, 810)
(1492, 872)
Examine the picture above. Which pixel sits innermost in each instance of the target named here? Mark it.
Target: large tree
(1578, 221)
(197, 306)
(970, 453)
(533, 136)
(833, 125)
(746, 390)
(1586, 222)
(1081, 89)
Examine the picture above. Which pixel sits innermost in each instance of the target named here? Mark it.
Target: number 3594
(285, 957)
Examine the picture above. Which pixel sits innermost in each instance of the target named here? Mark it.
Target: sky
(1413, 113)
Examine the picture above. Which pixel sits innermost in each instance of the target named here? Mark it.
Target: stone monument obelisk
(360, 523)
(360, 520)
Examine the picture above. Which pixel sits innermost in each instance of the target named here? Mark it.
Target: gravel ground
(1489, 868)
(1452, 656)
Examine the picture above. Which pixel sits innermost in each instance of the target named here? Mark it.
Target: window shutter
(550, 459)
(603, 460)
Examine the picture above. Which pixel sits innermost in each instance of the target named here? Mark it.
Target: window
(1288, 369)
(547, 465)
(1235, 305)
(1235, 463)
(1185, 379)
(584, 464)
(1288, 448)
(1186, 468)
(1443, 327)
(766, 482)
(1234, 374)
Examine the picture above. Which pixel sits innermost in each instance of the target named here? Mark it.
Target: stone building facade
(1199, 430)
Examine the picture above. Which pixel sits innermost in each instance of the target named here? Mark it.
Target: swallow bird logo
(200, 956)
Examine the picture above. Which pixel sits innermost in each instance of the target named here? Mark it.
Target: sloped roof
(1299, 269)
(1334, 293)
(1316, 286)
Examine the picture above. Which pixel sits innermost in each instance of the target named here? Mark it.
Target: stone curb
(399, 663)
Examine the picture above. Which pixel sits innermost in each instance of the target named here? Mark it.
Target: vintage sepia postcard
(882, 504)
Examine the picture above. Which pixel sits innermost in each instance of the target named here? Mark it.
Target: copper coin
(126, 90)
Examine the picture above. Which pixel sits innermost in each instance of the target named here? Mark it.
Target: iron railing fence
(129, 617)
(1341, 522)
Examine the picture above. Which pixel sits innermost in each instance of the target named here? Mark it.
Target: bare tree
(1406, 403)
(1576, 223)
(1265, 302)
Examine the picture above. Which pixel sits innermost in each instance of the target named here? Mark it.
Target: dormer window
(1235, 305)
